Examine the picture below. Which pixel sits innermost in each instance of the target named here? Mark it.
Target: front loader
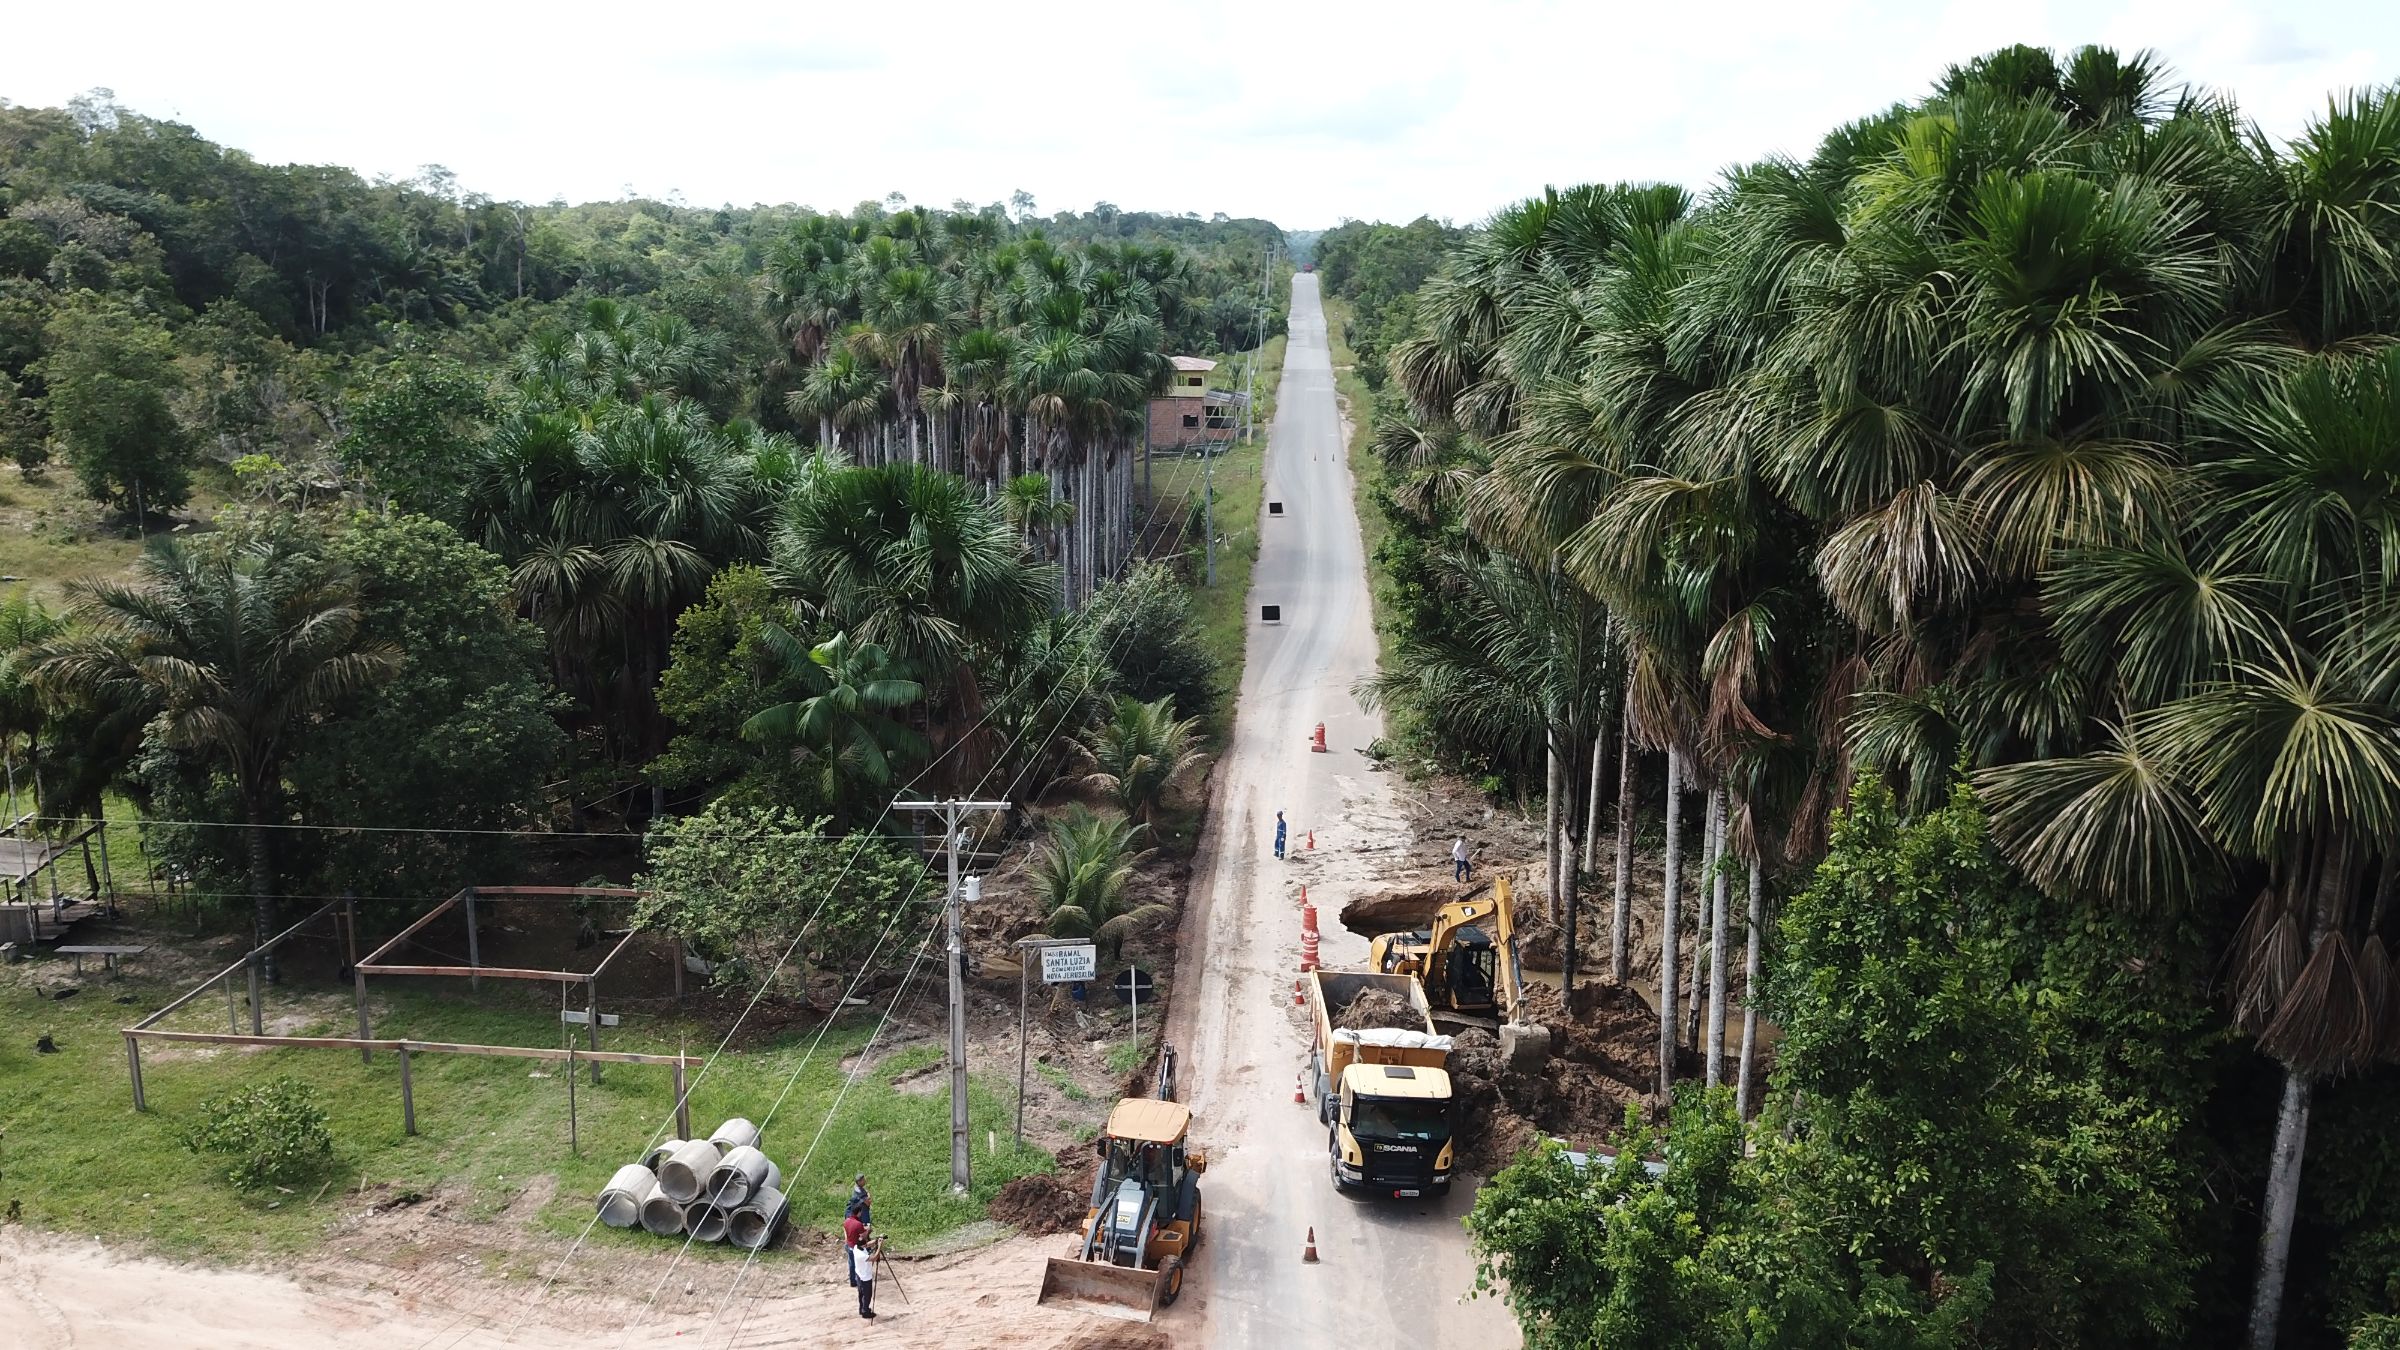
(1144, 1218)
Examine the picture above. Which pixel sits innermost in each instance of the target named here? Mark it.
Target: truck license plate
(1404, 1194)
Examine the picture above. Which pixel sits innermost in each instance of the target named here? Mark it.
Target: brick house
(1190, 414)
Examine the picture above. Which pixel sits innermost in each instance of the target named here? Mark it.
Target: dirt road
(68, 1293)
(1393, 1273)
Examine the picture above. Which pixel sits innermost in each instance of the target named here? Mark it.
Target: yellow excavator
(1470, 971)
(1144, 1220)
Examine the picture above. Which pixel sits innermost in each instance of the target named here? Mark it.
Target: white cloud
(1303, 113)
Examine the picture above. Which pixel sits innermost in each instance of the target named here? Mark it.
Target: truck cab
(1391, 1131)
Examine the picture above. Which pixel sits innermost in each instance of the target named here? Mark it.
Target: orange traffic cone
(1297, 998)
(1299, 1086)
(1312, 838)
(1316, 744)
(1310, 1256)
(1304, 897)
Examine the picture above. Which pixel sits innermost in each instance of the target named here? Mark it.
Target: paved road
(1392, 1273)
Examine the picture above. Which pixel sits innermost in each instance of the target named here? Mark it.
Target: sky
(1303, 113)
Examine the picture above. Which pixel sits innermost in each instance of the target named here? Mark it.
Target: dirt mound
(1603, 1056)
(1039, 1203)
(1397, 911)
(1378, 1010)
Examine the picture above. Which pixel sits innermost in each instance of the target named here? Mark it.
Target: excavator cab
(1470, 981)
(1144, 1218)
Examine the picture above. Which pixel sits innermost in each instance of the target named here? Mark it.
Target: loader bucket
(1100, 1289)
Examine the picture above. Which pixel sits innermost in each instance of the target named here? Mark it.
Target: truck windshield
(1399, 1118)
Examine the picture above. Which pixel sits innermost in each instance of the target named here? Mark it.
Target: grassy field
(75, 1157)
(51, 534)
(1240, 483)
(1358, 404)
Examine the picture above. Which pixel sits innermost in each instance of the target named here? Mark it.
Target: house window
(1192, 380)
(1190, 421)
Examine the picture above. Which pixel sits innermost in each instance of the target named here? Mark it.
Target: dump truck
(1466, 956)
(1383, 1093)
(1144, 1221)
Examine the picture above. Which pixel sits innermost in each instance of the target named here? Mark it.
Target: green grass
(1241, 492)
(1127, 1055)
(1065, 1082)
(51, 534)
(1365, 469)
(79, 1159)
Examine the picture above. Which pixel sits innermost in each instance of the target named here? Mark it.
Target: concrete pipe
(741, 1172)
(735, 1133)
(755, 1224)
(621, 1199)
(657, 1157)
(662, 1215)
(705, 1220)
(683, 1177)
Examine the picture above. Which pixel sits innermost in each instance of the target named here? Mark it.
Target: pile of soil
(1039, 1203)
(1603, 1056)
(1378, 1010)
(1372, 916)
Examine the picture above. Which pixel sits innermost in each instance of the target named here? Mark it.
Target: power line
(989, 711)
(860, 1067)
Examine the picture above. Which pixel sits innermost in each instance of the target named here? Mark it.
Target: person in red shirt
(853, 1228)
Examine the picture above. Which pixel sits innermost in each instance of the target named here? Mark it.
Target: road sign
(1067, 965)
(1133, 985)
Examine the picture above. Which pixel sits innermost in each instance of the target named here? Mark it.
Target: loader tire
(1170, 1281)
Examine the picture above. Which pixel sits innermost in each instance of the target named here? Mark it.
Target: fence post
(474, 953)
(591, 1015)
(358, 980)
(574, 1141)
(233, 1017)
(408, 1097)
(133, 1061)
(258, 1022)
(683, 1103)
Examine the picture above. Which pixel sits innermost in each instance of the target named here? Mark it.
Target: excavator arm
(1504, 939)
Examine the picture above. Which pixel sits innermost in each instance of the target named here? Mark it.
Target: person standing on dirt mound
(853, 1228)
(863, 1256)
(1279, 834)
(1460, 868)
(858, 1206)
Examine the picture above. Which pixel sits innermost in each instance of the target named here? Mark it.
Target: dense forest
(472, 523)
(1985, 529)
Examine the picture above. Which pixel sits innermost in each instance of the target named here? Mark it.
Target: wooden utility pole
(953, 812)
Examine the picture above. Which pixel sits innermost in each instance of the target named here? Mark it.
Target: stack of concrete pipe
(716, 1188)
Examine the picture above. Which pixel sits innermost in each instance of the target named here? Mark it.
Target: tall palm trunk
(1556, 785)
(1620, 935)
(1591, 800)
(1712, 839)
(2331, 886)
(1670, 921)
(1741, 1082)
(1715, 1047)
(2283, 1201)
(258, 814)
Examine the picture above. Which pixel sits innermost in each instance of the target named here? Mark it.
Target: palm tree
(2258, 739)
(1141, 753)
(233, 645)
(845, 721)
(1083, 873)
(25, 626)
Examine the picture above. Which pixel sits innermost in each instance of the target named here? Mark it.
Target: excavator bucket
(1100, 1289)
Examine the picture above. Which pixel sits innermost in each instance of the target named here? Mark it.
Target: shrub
(1144, 623)
(275, 1132)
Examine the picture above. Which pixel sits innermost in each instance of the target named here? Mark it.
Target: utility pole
(953, 812)
(1208, 508)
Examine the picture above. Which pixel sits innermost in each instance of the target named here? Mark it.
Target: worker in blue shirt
(1279, 834)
